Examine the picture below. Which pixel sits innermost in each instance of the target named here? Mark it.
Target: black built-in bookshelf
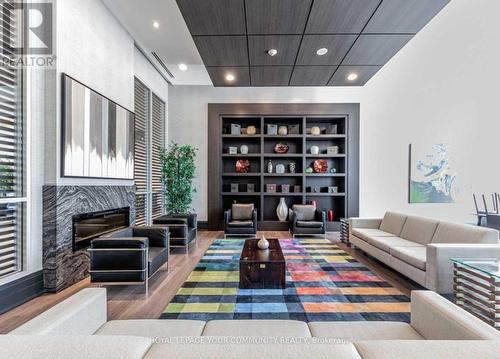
(313, 186)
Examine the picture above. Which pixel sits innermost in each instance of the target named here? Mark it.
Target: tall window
(13, 199)
(150, 116)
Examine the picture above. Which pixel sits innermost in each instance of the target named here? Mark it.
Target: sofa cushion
(257, 328)
(419, 229)
(385, 243)
(269, 349)
(309, 224)
(153, 328)
(448, 232)
(415, 256)
(241, 211)
(240, 224)
(363, 330)
(393, 223)
(364, 233)
(74, 347)
(428, 349)
(304, 212)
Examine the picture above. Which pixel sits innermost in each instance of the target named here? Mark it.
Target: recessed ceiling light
(230, 77)
(156, 24)
(183, 67)
(272, 52)
(322, 51)
(352, 76)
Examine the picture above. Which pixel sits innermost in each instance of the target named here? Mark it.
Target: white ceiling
(171, 41)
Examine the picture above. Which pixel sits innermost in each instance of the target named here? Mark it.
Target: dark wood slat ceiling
(233, 37)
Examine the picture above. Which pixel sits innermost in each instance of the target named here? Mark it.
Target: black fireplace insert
(88, 226)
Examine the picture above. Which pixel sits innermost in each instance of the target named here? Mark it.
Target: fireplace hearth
(87, 226)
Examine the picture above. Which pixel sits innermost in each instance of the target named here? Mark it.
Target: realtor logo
(38, 27)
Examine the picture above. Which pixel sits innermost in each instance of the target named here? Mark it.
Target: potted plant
(178, 171)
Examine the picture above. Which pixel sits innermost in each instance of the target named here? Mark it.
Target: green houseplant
(178, 170)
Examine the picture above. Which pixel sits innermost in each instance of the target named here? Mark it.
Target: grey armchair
(307, 220)
(129, 256)
(240, 220)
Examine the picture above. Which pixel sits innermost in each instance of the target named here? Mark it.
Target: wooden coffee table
(262, 269)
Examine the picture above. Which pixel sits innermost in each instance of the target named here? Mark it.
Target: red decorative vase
(330, 215)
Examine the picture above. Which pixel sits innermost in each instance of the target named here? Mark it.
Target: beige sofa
(421, 248)
(77, 328)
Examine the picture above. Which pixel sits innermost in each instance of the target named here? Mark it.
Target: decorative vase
(269, 167)
(280, 148)
(315, 131)
(330, 215)
(244, 149)
(314, 150)
(282, 210)
(292, 167)
(263, 243)
(251, 130)
(282, 130)
(280, 168)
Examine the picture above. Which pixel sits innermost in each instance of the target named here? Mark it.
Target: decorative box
(270, 188)
(294, 130)
(331, 129)
(233, 150)
(285, 188)
(272, 129)
(296, 189)
(234, 187)
(332, 150)
(250, 187)
(333, 189)
(235, 129)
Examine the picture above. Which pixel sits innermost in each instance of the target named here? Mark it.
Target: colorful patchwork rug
(323, 283)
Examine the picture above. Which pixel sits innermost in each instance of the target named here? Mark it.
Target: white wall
(188, 110)
(442, 87)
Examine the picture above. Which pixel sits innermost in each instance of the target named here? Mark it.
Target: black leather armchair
(183, 229)
(129, 256)
(306, 220)
(240, 220)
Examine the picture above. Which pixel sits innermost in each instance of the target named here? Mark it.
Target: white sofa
(438, 329)
(421, 248)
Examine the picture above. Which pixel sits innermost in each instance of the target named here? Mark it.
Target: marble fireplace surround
(61, 266)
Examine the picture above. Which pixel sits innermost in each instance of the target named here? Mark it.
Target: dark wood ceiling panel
(270, 75)
(340, 16)
(214, 17)
(311, 75)
(337, 46)
(364, 74)
(404, 16)
(222, 50)
(277, 17)
(218, 76)
(287, 46)
(375, 49)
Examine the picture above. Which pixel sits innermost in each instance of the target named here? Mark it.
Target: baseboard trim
(203, 225)
(20, 291)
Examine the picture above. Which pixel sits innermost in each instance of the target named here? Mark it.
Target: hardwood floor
(130, 302)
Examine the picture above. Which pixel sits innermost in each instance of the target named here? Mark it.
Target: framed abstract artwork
(97, 134)
(432, 174)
